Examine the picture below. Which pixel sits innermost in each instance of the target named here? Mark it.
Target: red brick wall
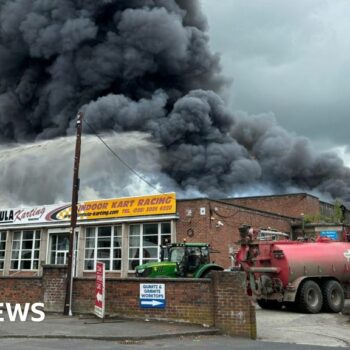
(21, 290)
(288, 205)
(54, 287)
(187, 300)
(220, 302)
(207, 228)
(192, 222)
(236, 315)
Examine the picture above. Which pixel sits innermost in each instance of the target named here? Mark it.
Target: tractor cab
(180, 260)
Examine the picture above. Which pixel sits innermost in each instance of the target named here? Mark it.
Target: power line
(120, 159)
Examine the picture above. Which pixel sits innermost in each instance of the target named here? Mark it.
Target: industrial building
(125, 232)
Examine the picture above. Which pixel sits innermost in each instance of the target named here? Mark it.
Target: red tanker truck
(307, 276)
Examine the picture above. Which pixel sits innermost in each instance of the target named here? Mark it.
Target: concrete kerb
(116, 338)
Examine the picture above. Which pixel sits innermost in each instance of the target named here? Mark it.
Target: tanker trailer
(306, 276)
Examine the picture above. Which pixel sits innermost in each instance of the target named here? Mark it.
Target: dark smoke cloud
(145, 65)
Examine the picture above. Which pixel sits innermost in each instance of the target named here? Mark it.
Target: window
(176, 254)
(25, 250)
(59, 247)
(103, 244)
(145, 241)
(2, 249)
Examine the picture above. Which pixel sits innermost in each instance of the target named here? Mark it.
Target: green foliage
(338, 213)
(317, 218)
(336, 217)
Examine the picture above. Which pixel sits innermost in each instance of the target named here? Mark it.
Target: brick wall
(219, 225)
(20, 290)
(54, 287)
(288, 205)
(233, 315)
(192, 224)
(220, 301)
(187, 300)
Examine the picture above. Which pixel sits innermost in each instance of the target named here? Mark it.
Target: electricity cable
(120, 159)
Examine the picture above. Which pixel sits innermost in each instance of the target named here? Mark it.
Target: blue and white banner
(152, 295)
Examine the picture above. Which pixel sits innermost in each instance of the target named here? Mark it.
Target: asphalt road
(190, 343)
(276, 330)
(323, 329)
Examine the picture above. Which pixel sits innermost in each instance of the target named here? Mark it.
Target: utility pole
(73, 220)
(303, 224)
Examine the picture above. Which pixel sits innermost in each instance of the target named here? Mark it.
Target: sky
(145, 67)
(290, 58)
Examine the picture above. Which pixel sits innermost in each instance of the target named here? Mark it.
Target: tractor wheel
(207, 274)
(309, 298)
(269, 304)
(333, 296)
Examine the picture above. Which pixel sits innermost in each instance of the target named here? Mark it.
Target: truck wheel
(269, 304)
(333, 296)
(309, 298)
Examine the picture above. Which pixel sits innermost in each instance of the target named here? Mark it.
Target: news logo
(15, 312)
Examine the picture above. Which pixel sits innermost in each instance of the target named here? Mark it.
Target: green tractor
(180, 260)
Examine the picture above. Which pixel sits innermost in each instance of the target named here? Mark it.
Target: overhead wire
(142, 178)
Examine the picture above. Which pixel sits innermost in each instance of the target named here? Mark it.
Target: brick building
(217, 222)
(312, 216)
(125, 232)
(292, 205)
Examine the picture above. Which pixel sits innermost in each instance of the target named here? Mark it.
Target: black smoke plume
(146, 66)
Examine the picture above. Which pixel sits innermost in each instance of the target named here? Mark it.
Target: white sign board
(152, 295)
